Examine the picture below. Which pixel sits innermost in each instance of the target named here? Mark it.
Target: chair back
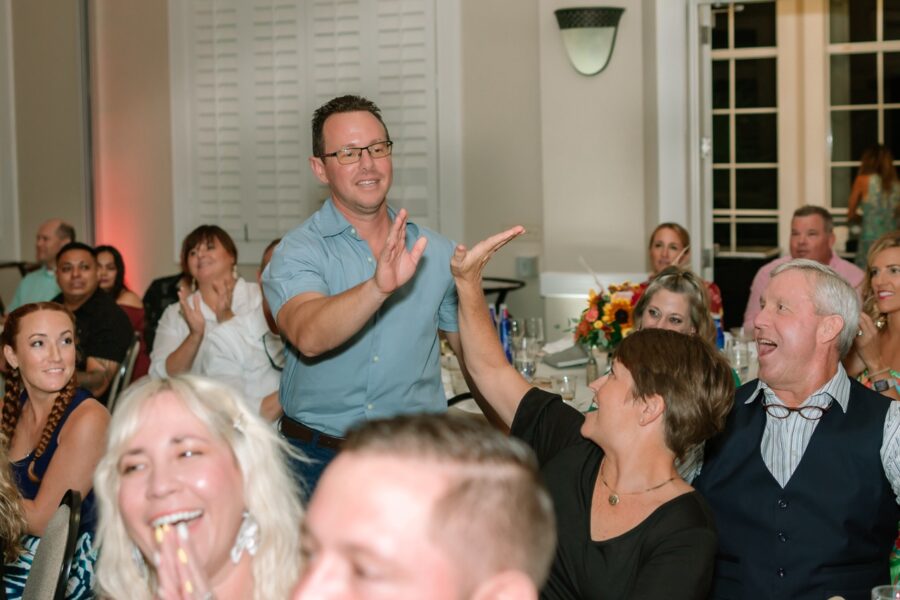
(124, 372)
(52, 562)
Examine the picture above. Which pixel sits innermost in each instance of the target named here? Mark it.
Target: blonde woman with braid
(55, 431)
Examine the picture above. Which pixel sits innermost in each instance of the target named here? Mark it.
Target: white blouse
(173, 329)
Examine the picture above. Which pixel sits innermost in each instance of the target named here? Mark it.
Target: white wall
(9, 216)
(592, 130)
(501, 134)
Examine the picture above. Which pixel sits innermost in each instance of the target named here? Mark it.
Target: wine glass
(525, 350)
(534, 328)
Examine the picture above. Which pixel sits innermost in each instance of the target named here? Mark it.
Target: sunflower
(619, 310)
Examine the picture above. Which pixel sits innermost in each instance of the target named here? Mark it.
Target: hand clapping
(396, 265)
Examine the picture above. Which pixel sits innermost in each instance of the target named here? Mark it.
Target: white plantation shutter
(246, 77)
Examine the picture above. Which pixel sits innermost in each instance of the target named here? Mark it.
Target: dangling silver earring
(139, 561)
(247, 538)
(234, 272)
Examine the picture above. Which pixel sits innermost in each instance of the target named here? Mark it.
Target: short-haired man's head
(64, 231)
(810, 209)
(201, 235)
(684, 282)
(341, 104)
(494, 500)
(689, 374)
(75, 246)
(831, 295)
(885, 242)
(52, 235)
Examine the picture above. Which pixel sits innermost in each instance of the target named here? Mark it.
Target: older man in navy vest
(804, 481)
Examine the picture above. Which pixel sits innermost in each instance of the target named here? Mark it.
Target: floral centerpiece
(609, 316)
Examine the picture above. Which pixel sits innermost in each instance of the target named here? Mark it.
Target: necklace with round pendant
(613, 497)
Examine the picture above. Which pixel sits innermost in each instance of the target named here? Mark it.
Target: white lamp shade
(589, 36)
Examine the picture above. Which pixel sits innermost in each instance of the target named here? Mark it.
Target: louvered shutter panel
(247, 75)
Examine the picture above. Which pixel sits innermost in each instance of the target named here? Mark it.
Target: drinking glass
(739, 357)
(525, 350)
(565, 384)
(534, 328)
(886, 592)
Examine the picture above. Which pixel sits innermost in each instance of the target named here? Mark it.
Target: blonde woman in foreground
(195, 498)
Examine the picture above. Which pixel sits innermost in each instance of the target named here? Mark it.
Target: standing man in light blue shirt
(360, 294)
(40, 285)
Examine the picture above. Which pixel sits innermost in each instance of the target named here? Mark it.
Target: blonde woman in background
(875, 357)
(670, 245)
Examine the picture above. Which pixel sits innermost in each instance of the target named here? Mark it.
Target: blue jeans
(307, 473)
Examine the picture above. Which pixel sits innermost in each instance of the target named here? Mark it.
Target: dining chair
(124, 372)
(52, 562)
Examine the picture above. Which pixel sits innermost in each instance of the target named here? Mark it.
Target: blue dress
(82, 573)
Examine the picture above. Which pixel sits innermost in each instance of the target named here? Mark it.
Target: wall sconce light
(589, 35)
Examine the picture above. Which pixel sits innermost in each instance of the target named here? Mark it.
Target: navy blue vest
(828, 533)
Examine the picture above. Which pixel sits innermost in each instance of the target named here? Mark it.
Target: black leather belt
(307, 435)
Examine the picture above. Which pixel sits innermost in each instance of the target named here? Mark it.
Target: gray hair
(269, 491)
(495, 514)
(831, 295)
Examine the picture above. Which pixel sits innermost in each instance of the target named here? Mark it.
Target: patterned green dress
(877, 216)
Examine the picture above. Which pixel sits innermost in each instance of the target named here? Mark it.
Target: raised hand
(866, 343)
(396, 265)
(467, 265)
(191, 311)
(178, 570)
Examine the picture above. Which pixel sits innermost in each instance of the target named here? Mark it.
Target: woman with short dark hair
(217, 293)
(628, 524)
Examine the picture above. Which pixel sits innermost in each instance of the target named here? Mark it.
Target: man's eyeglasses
(810, 413)
(348, 155)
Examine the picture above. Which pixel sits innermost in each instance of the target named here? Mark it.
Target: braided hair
(12, 407)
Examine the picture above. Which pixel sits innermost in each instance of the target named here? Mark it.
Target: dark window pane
(756, 188)
(722, 236)
(853, 79)
(721, 138)
(756, 138)
(754, 25)
(852, 132)
(841, 180)
(721, 188)
(852, 21)
(892, 19)
(754, 83)
(892, 76)
(892, 131)
(757, 234)
(720, 83)
(720, 29)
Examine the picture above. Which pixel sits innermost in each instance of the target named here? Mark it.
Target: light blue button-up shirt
(392, 365)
